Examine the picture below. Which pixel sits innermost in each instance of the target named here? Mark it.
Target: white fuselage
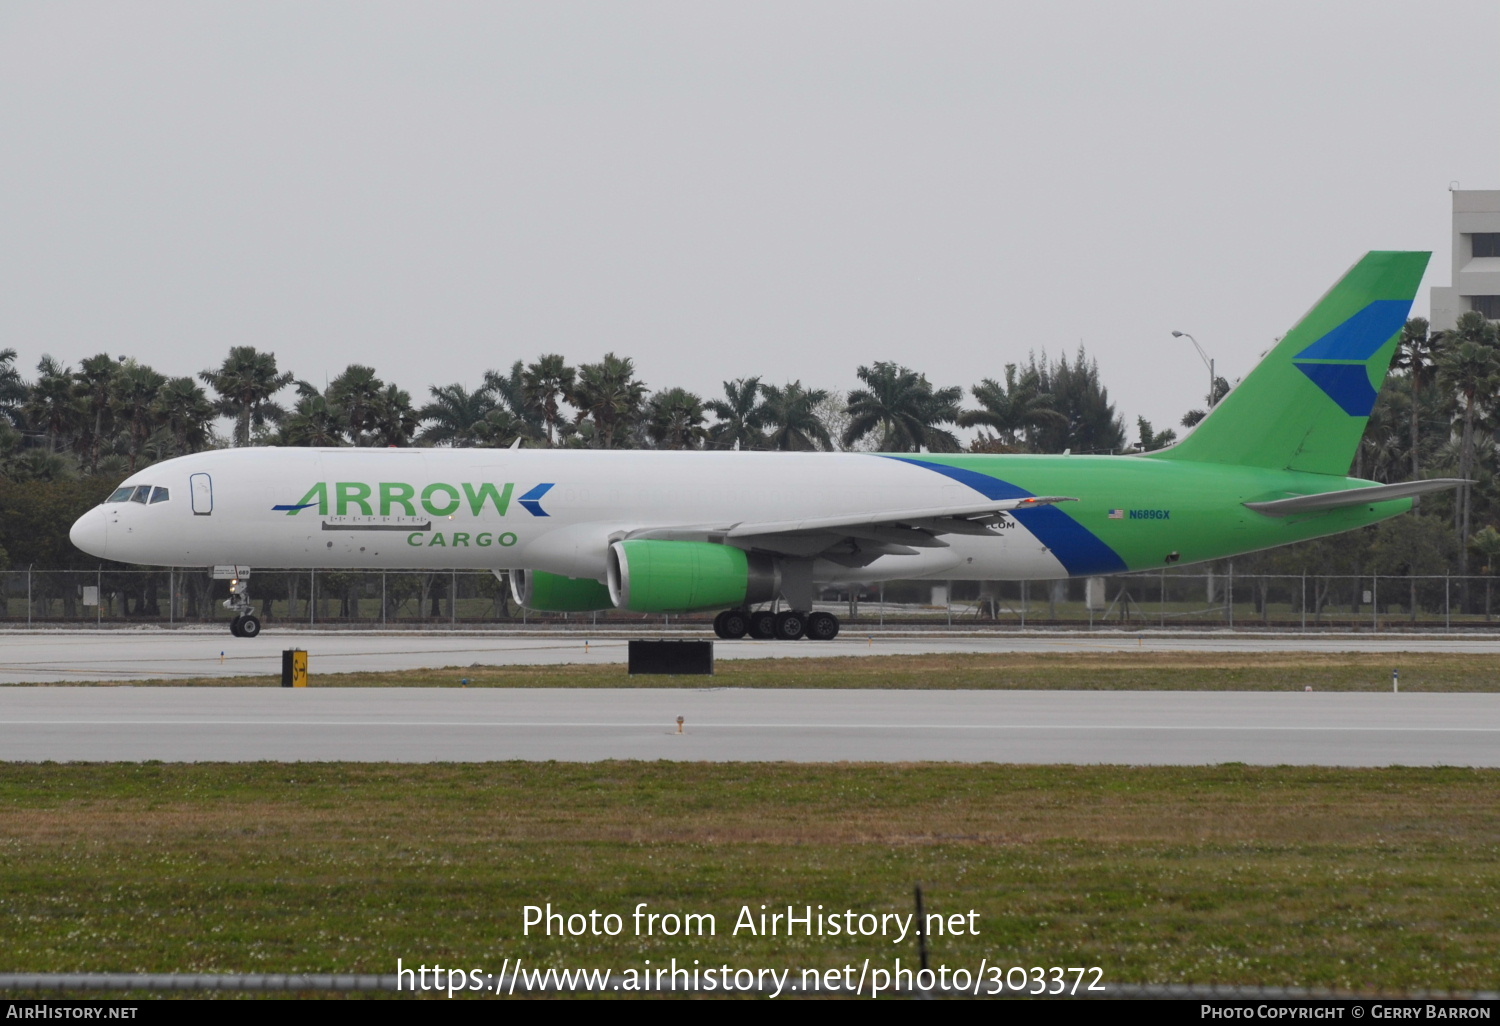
(488, 509)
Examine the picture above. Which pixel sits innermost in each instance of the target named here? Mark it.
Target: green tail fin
(1305, 405)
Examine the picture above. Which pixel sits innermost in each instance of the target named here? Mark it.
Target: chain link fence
(426, 598)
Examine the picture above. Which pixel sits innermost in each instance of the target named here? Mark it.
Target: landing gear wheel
(790, 625)
(822, 626)
(234, 626)
(732, 624)
(763, 625)
(249, 626)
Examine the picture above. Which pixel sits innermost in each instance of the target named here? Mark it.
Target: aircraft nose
(89, 532)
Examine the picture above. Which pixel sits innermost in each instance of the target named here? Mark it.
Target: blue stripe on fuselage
(1075, 546)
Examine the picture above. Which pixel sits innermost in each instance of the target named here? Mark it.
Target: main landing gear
(787, 625)
(245, 623)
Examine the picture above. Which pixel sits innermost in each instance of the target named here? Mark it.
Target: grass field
(1144, 671)
(1363, 879)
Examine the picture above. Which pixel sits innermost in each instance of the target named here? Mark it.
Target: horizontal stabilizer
(1353, 497)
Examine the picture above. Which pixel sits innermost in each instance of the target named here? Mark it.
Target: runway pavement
(142, 654)
(428, 725)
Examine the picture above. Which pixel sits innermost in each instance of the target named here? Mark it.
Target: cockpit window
(121, 495)
(160, 495)
(142, 494)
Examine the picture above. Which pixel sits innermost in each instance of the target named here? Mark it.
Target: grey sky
(784, 189)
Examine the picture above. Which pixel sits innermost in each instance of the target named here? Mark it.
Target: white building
(1476, 260)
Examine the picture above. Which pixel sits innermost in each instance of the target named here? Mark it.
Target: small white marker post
(1395, 681)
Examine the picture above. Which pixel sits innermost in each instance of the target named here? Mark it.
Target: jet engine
(676, 576)
(554, 593)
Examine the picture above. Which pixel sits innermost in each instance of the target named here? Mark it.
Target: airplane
(756, 534)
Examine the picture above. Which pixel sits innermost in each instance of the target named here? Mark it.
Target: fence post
(99, 596)
(882, 603)
(1164, 598)
(171, 595)
(382, 598)
(453, 600)
(312, 596)
(1375, 602)
(1447, 602)
(1229, 594)
(1024, 592)
(28, 593)
(1304, 602)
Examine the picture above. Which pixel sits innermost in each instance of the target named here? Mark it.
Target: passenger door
(203, 494)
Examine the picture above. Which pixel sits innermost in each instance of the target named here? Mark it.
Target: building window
(1487, 305)
(1486, 244)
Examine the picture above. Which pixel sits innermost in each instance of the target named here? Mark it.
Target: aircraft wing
(857, 538)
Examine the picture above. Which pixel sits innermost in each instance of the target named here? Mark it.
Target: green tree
(454, 416)
(13, 391)
(313, 421)
(1468, 369)
(247, 382)
(185, 411)
(740, 416)
(674, 419)
(93, 384)
(357, 395)
(52, 404)
(609, 395)
(1416, 354)
(1153, 439)
(903, 406)
(1090, 422)
(134, 404)
(545, 385)
(1016, 409)
(792, 420)
(396, 420)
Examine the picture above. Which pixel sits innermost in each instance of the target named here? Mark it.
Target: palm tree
(1015, 409)
(246, 382)
(1468, 369)
(791, 416)
(313, 421)
(185, 411)
(608, 393)
(509, 391)
(501, 427)
(903, 406)
(741, 416)
(395, 419)
(454, 415)
(53, 405)
(357, 395)
(674, 419)
(544, 386)
(134, 404)
(93, 383)
(13, 390)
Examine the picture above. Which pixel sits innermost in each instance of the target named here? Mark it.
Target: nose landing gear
(245, 623)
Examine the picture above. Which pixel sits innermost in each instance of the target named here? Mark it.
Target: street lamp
(1212, 380)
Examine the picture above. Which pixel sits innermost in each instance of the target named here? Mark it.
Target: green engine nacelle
(677, 576)
(554, 593)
